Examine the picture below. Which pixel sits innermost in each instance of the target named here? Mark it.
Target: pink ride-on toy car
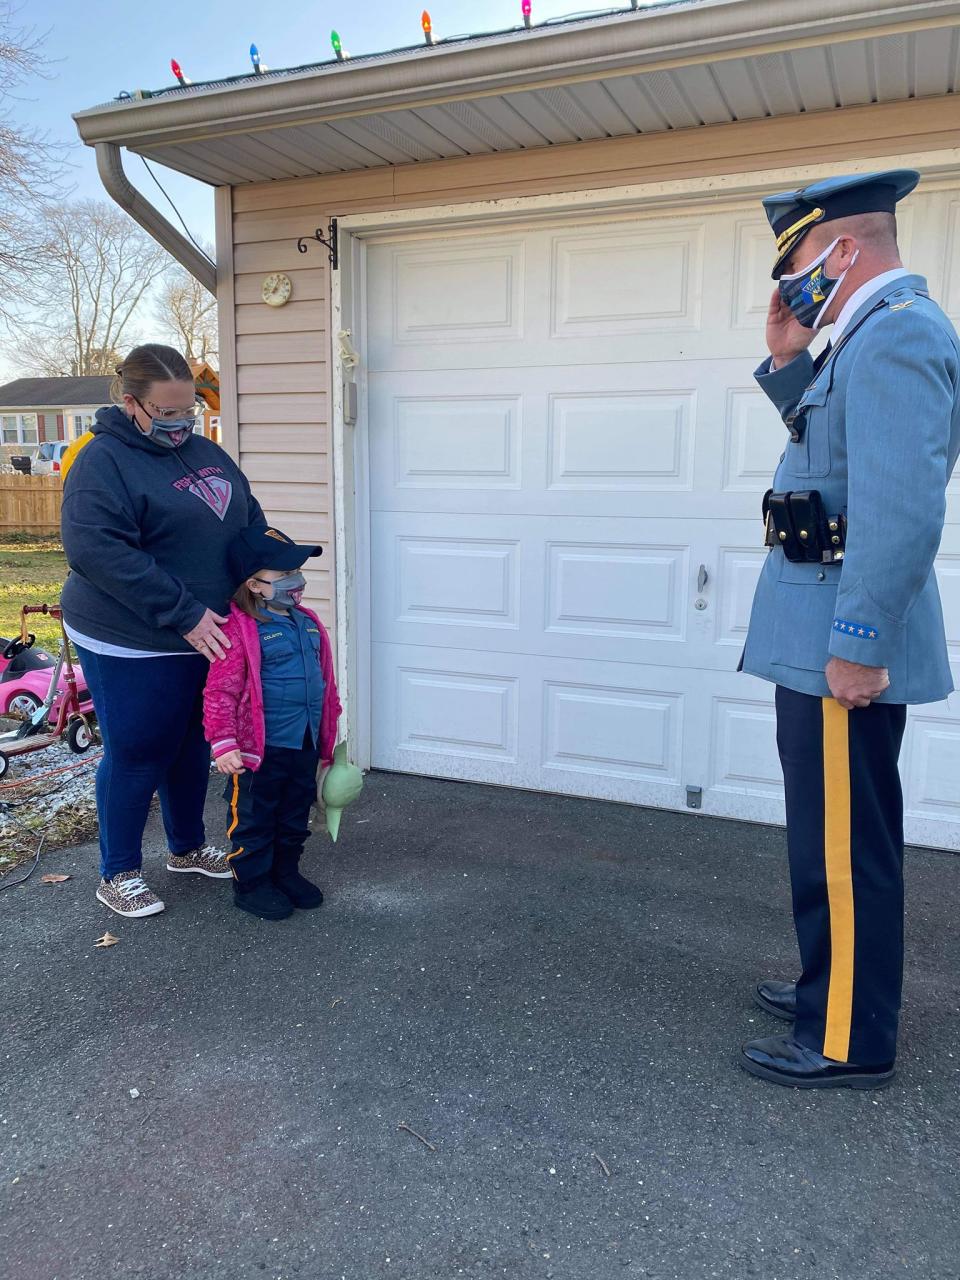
(25, 683)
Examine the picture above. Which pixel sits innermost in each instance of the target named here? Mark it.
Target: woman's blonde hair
(146, 364)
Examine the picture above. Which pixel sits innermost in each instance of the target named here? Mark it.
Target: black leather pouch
(780, 525)
(808, 522)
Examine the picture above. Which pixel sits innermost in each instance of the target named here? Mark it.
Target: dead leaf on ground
(53, 879)
(108, 940)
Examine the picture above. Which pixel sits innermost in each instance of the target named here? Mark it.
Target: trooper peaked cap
(792, 214)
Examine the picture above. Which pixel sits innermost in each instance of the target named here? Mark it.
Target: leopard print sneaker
(128, 894)
(208, 861)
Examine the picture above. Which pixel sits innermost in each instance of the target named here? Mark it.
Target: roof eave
(701, 28)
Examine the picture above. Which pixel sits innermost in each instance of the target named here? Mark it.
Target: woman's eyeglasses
(194, 411)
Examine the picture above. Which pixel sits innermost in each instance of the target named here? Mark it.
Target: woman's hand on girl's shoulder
(207, 637)
(231, 762)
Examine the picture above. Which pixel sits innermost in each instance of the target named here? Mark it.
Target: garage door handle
(702, 577)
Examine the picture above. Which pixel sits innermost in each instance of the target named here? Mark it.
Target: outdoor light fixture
(338, 48)
(255, 59)
(427, 27)
(525, 10)
(175, 68)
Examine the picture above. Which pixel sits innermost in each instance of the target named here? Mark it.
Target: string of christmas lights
(429, 38)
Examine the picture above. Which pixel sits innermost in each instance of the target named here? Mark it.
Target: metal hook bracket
(330, 242)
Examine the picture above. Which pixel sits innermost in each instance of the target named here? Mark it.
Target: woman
(149, 510)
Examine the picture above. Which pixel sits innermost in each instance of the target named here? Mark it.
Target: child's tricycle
(61, 713)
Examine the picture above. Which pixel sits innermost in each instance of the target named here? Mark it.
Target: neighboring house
(539, 487)
(34, 410)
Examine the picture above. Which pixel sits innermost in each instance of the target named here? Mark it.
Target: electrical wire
(169, 201)
(36, 861)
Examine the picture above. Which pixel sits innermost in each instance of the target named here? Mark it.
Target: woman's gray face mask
(171, 432)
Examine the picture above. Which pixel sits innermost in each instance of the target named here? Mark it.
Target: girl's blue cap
(262, 547)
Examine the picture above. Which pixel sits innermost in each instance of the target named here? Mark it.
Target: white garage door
(567, 457)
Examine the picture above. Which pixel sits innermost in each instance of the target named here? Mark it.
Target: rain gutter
(119, 187)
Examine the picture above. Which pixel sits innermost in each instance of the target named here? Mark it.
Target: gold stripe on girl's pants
(839, 872)
(234, 800)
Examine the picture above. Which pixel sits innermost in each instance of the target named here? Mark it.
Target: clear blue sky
(97, 50)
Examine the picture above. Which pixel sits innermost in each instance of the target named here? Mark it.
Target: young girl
(270, 715)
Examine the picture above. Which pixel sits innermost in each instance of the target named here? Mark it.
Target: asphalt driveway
(533, 984)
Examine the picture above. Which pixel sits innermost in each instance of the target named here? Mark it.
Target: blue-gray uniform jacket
(290, 678)
(880, 445)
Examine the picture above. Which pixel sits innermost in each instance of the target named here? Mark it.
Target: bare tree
(30, 168)
(187, 312)
(100, 268)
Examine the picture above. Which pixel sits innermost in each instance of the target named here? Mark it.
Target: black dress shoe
(303, 893)
(778, 998)
(784, 1061)
(263, 900)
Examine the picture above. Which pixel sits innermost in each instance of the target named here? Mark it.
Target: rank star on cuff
(861, 630)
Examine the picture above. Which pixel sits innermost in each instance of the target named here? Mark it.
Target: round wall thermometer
(276, 289)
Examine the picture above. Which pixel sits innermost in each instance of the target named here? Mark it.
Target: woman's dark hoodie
(146, 530)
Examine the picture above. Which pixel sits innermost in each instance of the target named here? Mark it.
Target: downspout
(118, 186)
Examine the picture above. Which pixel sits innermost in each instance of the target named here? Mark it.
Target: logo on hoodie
(210, 488)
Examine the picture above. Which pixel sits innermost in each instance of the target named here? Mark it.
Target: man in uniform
(846, 619)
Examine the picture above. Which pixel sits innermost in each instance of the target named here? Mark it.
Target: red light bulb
(525, 7)
(175, 68)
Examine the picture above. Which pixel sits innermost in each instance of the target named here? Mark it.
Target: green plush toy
(341, 786)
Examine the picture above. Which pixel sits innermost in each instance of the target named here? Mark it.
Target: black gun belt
(797, 522)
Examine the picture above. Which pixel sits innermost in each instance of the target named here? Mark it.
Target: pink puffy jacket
(233, 697)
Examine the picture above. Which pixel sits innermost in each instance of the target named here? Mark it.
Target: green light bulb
(335, 41)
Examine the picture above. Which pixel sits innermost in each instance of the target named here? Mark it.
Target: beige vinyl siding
(281, 397)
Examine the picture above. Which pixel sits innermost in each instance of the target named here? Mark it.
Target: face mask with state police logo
(807, 292)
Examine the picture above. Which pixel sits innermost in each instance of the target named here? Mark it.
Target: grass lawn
(32, 570)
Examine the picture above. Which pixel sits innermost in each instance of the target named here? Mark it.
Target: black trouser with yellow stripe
(269, 813)
(845, 842)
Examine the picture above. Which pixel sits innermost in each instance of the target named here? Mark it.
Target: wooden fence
(30, 504)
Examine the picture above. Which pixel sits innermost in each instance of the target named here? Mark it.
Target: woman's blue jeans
(149, 712)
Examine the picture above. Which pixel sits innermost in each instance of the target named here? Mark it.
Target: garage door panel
(456, 582)
(466, 714)
(738, 569)
(930, 766)
(617, 281)
(459, 442)
(632, 590)
(460, 291)
(751, 437)
(751, 275)
(627, 440)
(612, 730)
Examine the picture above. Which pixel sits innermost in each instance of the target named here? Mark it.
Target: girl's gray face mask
(287, 591)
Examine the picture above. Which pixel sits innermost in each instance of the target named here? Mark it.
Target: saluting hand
(786, 337)
(207, 638)
(854, 685)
